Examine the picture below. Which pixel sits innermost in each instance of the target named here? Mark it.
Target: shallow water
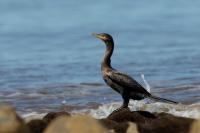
(50, 61)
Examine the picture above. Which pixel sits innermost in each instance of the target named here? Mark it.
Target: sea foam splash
(148, 88)
(32, 116)
(190, 111)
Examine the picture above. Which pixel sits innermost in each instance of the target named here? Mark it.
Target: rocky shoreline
(122, 121)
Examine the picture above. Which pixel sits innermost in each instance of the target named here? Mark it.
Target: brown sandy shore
(122, 121)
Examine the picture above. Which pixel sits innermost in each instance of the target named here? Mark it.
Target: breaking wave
(190, 111)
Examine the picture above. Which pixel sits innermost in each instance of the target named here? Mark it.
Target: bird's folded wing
(127, 82)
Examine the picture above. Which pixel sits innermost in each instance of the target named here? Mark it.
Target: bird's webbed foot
(120, 109)
(124, 106)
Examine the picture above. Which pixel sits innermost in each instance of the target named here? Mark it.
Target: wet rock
(36, 126)
(10, 122)
(52, 115)
(109, 124)
(76, 124)
(125, 115)
(166, 123)
(195, 127)
(121, 128)
(151, 122)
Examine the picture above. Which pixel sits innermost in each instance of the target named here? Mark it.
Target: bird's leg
(125, 103)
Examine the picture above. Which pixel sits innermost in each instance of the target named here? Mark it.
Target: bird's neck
(106, 62)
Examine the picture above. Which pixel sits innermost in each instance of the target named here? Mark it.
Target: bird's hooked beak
(98, 36)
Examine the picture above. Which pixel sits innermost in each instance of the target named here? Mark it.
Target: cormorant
(121, 82)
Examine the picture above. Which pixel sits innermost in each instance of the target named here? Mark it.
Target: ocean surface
(50, 62)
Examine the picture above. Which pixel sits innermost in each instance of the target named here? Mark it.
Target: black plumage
(121, 82)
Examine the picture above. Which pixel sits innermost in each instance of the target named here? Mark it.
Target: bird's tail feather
(162, 99)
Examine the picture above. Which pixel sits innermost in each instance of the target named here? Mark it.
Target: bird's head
(104, 37)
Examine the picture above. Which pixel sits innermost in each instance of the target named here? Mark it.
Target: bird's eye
(104, 36)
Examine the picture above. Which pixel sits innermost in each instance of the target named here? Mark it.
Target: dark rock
(36, 126)
(125, 115)
(166, 123)
(121, 128)
(109, 124)
(52, 115)
(150, 122)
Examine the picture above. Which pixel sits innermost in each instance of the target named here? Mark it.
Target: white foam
(15, 94)
(148, 88)
(64, 102)
(190, 111)
(33, 115)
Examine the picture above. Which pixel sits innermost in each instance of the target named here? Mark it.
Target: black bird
(121, 82)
